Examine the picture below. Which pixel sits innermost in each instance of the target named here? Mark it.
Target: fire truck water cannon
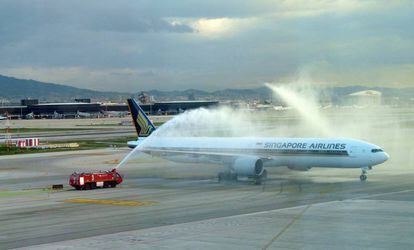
(103, 179)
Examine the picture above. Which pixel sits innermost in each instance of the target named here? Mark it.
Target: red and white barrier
(21, 143)
(32, 142)
(27, 143)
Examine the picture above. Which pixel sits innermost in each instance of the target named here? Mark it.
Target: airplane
(83, 114)
(57, 115)
(29, 116)
(115, 113)
(249, 157)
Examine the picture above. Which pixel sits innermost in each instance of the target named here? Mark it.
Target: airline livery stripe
(267, 152)
(143, 123)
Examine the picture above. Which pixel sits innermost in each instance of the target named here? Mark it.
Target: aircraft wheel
(220, 176)
(233, 176)
(264, 174)
(258, 180)
(87, 186)
(226, 176)
(363, 177)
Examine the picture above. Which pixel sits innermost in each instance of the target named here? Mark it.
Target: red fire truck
(86, 181)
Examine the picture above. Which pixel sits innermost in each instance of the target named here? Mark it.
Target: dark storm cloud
(22, 18)
(62, 33)
(131, 45)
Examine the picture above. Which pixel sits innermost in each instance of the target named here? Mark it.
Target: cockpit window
(375, 150)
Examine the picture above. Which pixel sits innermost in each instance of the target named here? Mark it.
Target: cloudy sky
(131, 45)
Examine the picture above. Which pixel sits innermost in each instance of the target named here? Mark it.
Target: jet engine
(248, 166)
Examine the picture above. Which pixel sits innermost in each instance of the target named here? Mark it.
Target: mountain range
(263, 93)
(14, 89)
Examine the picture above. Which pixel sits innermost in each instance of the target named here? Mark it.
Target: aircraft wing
(198, 153)
(194, 152)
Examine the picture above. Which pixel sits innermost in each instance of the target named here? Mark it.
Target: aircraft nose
(379, 158)
(382, 157)
(386, 156)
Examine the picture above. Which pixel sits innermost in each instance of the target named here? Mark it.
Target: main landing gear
(363, 176)
(227, 176)
(233, 177)
(258, 180)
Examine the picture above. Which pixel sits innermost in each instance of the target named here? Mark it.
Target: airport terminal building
(32, 109)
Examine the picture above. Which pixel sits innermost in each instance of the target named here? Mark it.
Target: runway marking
(382, 194)
(111, 202)
(296, 218)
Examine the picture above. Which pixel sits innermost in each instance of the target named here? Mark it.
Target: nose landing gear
(363, 176)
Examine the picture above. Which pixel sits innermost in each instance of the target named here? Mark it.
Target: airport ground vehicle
(104, 179)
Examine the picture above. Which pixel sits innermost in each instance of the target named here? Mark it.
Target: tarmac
(164, 205)
(348, 224)
(55, 130)
(157, 208)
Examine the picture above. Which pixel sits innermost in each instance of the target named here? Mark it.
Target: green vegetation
(98, 125)
(91, 144)
(8, 193)
(29, 130)
(156, 124)
(83, 145)
(12, 150)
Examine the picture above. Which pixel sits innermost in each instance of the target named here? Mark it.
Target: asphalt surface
(182, 206)
(31, 215)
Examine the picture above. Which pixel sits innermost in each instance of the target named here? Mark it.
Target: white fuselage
(296, 153)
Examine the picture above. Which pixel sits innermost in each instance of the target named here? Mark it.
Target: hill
(264, 93)
(261, 93)
(14, 89)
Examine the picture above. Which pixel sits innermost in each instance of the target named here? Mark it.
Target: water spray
(147, 140)
(306, 105)
(202, 122)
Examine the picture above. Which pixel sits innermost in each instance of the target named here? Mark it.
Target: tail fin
(142, 123)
